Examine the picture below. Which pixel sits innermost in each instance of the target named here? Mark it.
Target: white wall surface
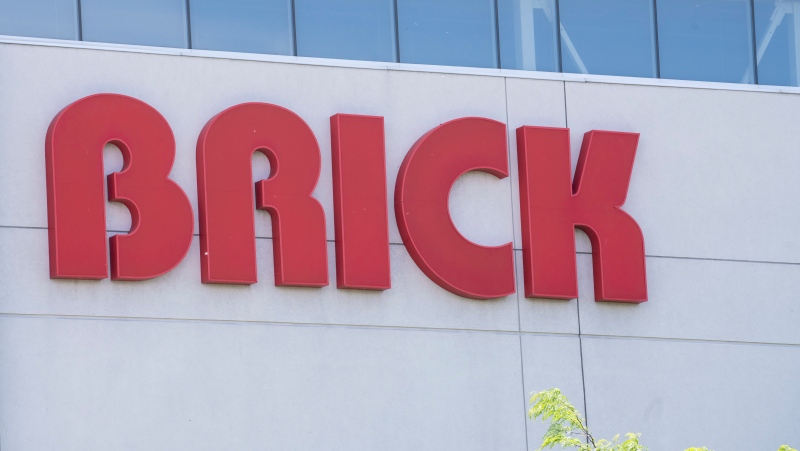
(713, 359)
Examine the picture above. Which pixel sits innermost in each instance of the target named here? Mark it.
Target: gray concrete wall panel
(682, 393)
(80, 384)
(550, 361)
(544, 315)
(701, 299)
(715, 173)
(413, 301)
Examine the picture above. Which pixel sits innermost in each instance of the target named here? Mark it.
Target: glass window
(528, 35)
(56, 19)
(778, 41)
(254, 26)
(447, 32)
(144, 22)
(608, 37)
(706, 40)
(346, 29)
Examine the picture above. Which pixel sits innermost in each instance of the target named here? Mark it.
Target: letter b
(162, 222)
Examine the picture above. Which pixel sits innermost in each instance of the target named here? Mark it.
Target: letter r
(551, 207)
(226, 197)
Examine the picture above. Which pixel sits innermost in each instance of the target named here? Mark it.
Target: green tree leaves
(568, 429)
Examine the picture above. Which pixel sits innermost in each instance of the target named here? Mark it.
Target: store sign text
(551, 204)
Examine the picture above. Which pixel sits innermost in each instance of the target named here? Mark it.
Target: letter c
(423, 186)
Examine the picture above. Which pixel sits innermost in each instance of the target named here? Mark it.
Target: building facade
(711, 359)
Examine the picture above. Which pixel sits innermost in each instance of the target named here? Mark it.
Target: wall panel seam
(671, 257)
(89, 317)
(516, 273)
(77, 317)
(578, 307)
(691, 340)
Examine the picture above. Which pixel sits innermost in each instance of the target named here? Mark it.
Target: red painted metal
(161, 232)
(552, 207)
(225, 192)
(162, 219)
(421, 207)
(359, 200)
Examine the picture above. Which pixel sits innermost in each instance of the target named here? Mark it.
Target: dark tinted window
(707, 40)
(778, 41)
(447, 32)
(255, 26)
(39, 18)
(528, 35)
(346, 29)
(608, 37)
(144, 22)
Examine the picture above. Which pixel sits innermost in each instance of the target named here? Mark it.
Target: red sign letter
(224, 176)
(551, 209)
(359, 195)
(161, 229)
(421, 207)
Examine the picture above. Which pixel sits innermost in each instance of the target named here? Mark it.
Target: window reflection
(705, 40)
(253, 26)
(56, 19)
(528, 38)
(144, 22)
(777, 24)
(346, 29)
(447, 32)
(608, 37)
